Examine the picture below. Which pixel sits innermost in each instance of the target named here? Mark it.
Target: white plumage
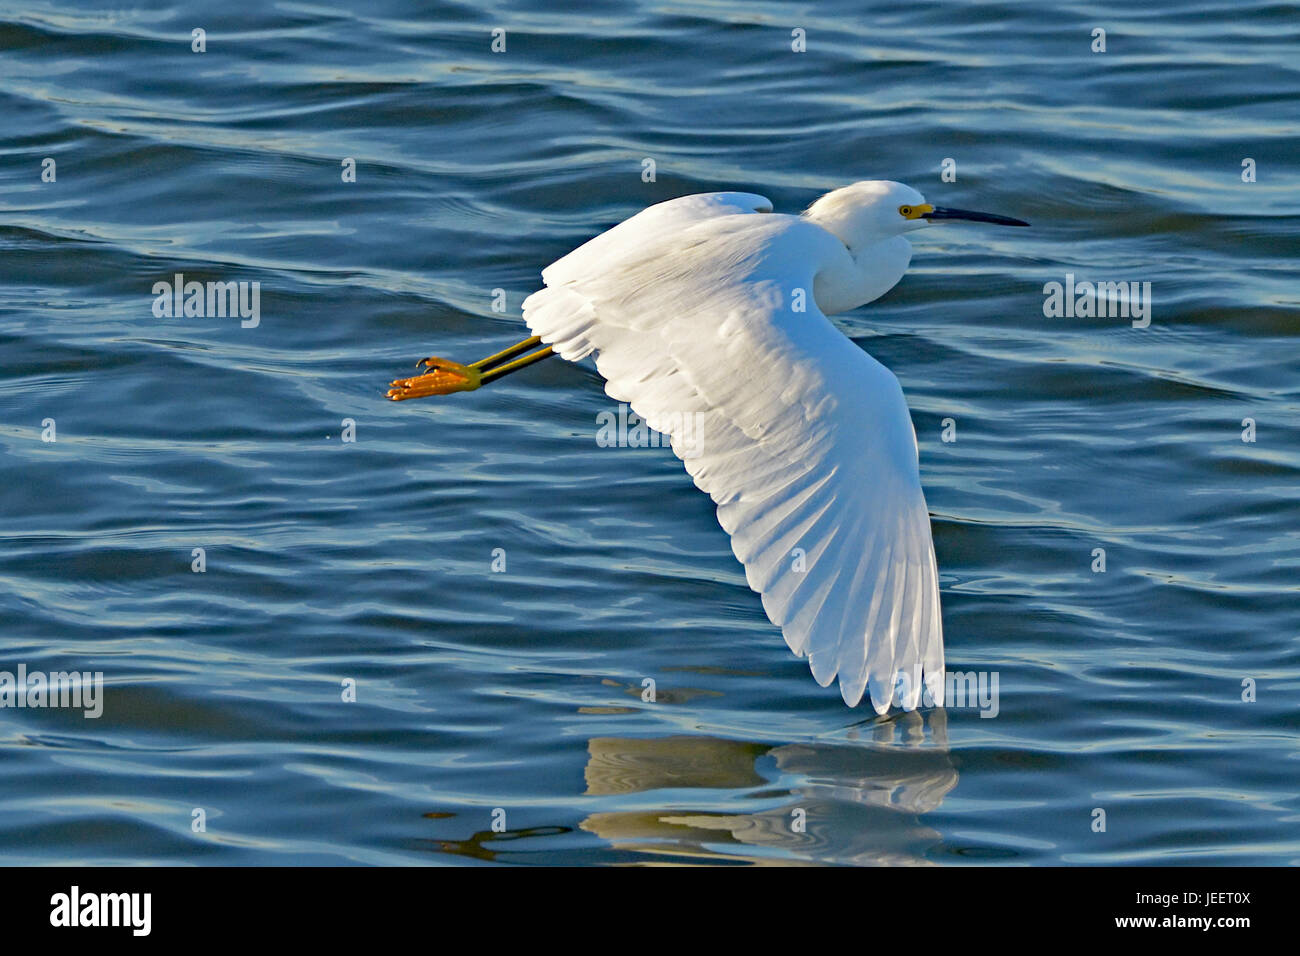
(692, 307)
(709, 320)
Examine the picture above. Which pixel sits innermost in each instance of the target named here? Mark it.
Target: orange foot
(443, 378)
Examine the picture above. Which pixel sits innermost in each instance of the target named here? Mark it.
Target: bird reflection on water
(860, 796)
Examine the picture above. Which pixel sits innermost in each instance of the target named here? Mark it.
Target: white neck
(862, 276)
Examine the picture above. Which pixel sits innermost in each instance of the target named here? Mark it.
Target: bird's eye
(905, 212)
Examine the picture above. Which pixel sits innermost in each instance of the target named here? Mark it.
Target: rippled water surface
(522, 691)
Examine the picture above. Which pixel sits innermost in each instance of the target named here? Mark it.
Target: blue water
(520, 691)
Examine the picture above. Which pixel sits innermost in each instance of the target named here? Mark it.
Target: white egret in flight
(709, 320)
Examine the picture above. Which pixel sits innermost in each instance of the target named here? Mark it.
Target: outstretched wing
(701, 317)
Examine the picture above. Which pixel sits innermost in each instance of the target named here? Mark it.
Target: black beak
(941, 212)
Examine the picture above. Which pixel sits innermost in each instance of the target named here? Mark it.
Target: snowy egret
(707, 314)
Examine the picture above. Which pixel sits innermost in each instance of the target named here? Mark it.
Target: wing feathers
(803, 441)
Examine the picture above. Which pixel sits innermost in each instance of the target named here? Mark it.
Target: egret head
(877, 209)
